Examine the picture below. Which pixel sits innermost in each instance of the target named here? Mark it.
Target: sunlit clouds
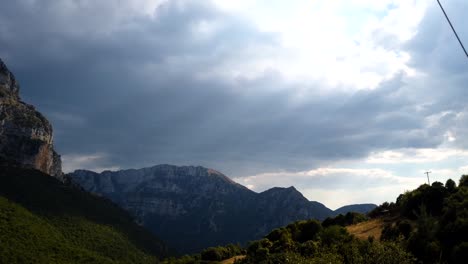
(348, 100)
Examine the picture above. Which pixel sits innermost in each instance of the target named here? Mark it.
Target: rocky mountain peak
(281, 193)
(25, 134)
(8, 85)
(193, 207)
(159, 178)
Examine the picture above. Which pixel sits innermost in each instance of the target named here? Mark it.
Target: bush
(334, 235)
(349, 218)
(221, 253)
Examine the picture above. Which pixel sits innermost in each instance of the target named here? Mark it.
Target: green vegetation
(27, 238)
(307, 242)
(350, 218)
(427, 225)
(310, 242)
(45, 221)
(432, 222)
(221, 253)
(209, 255)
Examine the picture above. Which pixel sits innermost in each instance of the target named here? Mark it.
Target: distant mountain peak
(284, 191)
(193, 207)
(357, 208)
(290, 188)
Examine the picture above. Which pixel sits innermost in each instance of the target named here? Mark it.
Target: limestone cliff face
(192, 208)
(163, 190)
(25, 134)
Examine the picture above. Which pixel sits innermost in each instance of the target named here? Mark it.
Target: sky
(350, 101)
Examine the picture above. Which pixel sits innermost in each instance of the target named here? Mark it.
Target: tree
(463, 181)
(450, 185)
(333, 235)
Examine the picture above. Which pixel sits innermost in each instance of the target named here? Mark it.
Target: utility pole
(427, 173)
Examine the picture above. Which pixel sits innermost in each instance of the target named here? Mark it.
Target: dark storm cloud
(128, 86)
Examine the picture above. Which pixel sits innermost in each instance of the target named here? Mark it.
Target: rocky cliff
(25, 134)
(192, 208)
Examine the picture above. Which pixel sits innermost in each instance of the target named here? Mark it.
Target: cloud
(326, 178)
(205, 83)
(352, 51)
(415, 156)
(336, 198)
(94, 162)
(335, 186)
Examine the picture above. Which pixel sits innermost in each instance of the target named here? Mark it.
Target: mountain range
(189, 208)
(192, 208)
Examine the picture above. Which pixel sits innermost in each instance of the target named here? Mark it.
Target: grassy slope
(370, 228)
(44, 221)
(232, 260)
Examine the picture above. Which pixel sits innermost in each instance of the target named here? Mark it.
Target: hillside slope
(45, 221)
(432, 221)
(364, 230)
(425, 225)
(192, 208)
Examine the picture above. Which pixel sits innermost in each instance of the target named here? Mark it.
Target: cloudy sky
(348, 100)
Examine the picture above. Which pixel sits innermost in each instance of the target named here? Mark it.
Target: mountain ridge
(358, 208)
(202, 206)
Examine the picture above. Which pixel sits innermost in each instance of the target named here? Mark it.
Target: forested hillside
(432, 221)
(45, 221)
(426, 225)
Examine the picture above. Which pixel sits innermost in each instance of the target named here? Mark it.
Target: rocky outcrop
(25, 134)
(164, 190)
(192, 208)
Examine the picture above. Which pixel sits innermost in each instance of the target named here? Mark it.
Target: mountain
(192, 208)
(188, 207)
(278, 206)
(46, 219)
(425, 225)
(358, 208)
(25, 134)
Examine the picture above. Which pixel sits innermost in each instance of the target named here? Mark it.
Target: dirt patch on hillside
(231, 260)
(366, 229)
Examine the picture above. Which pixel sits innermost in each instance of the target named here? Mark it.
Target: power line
(450, 23)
